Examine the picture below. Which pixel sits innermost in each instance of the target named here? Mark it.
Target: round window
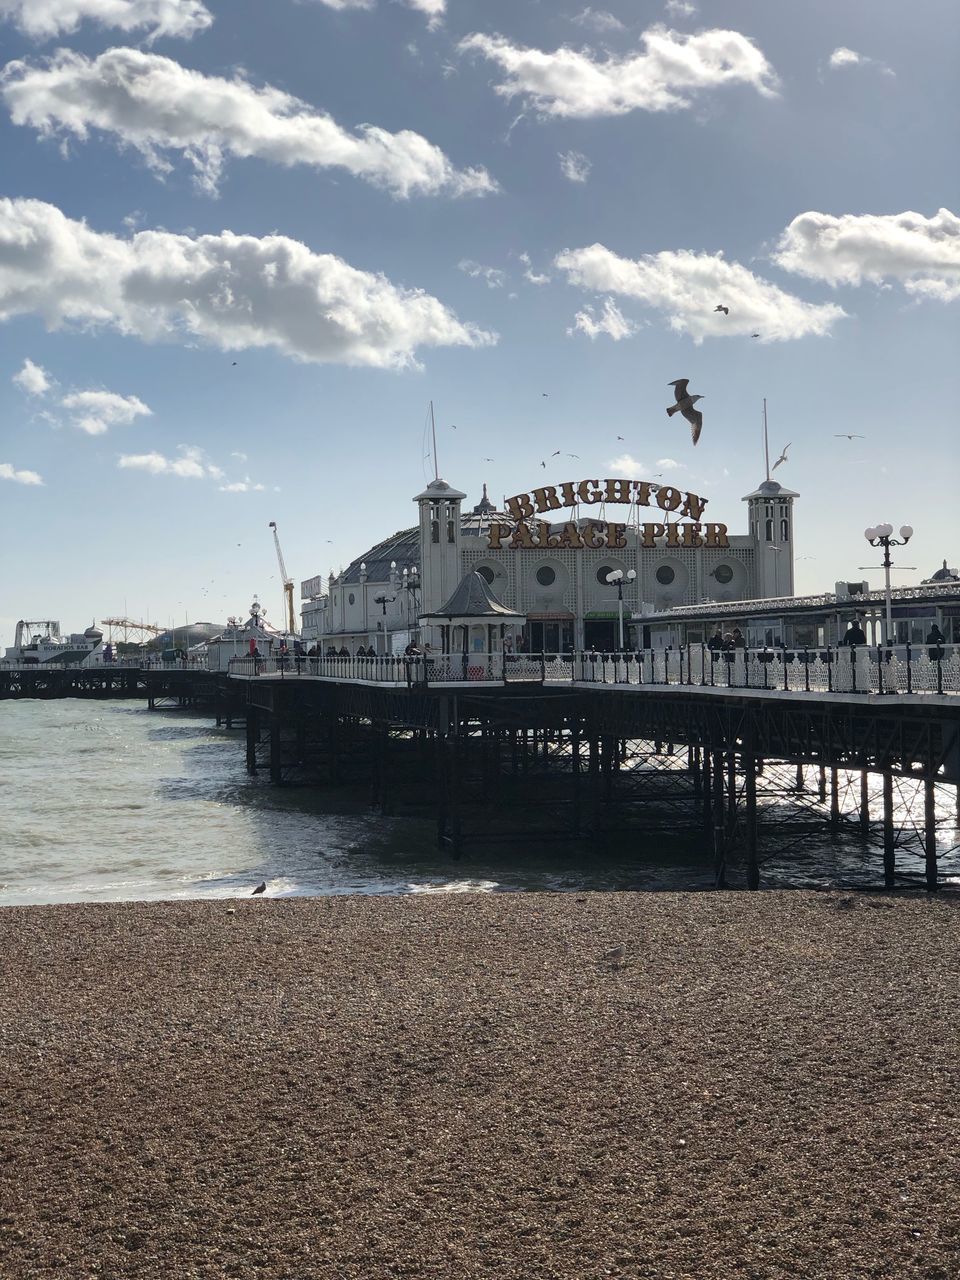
(603, 573)
(665, 574)
(351, 598)
(486, 573)
(723, 573)
(546, 576)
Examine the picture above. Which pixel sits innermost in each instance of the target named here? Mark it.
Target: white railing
(858, 669)
(897, 669)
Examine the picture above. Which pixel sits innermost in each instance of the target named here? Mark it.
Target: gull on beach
(685, 405)
(261, 888)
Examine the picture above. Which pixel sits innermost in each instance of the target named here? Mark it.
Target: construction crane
(287, 581)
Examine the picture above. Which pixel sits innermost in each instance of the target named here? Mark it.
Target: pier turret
(771, 525)
(439, 510)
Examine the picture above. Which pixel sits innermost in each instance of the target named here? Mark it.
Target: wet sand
(765, 1086)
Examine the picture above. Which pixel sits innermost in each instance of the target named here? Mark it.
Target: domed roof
(93, 633)
(404, 546)
(944, 575)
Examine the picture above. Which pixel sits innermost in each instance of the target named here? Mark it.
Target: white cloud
(670, 464)
(43, 19)
(155, 105)
(432, 9)
(627, 466)
(574, 166)
(688, 285)
(665, 76)
(97, 411)
(599, 19)
(611, 322)
(190, 465)
(241, 457)
(923, 254)
(531, 276)
(495, 279)
(242, 486)
(32, 378)
(843, 57)
(680, 8)
(7, 472)
(231, 291)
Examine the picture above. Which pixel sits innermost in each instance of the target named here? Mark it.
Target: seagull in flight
(754, 335)
(555, 454)
(782, 458)
(619, 437)
(721, 307)
(841, 435)
(685, 405)
(488, 459)
(543, 464)
(545, 393)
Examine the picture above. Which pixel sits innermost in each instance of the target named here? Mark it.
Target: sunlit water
(107, 801)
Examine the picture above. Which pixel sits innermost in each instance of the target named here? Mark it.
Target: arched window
(784, 530)
(769, 530)
(434, 530)
(451, 531)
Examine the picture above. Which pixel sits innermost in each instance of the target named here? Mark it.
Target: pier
(754, 755)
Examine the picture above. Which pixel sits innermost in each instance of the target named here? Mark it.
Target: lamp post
(616, 579)
(880, 536)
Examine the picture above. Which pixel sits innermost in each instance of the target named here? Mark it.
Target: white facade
(563, 593)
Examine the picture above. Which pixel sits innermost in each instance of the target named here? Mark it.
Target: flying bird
(488, 459)
(234, 365)
(261, 888)
(721, 307)
(543, 464)
(782, 458)
(840, 435)
(555, 454)
(545, 393)
(619, 437)
(685, 405)
(572, 455)
(754, 335)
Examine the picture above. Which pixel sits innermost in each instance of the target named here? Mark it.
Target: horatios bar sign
(536, 534)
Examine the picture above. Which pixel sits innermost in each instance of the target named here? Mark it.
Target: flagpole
(766, 442)
(433, 432)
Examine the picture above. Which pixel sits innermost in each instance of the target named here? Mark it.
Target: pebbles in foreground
(512, 1086)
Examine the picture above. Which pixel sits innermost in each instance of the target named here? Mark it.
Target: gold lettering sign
(530, 533)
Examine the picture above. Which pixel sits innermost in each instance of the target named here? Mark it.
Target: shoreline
(766, 1085)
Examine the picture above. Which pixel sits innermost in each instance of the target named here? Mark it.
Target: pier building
(547, 555)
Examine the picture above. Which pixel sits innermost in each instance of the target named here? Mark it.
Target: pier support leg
(930, 834)
(595, 781)
(800, 785)
(834, 803)
(442, 783)
(575, 766)
(694, 764)
(275, 775)
(822, 784)
(453, 747)
(750, 787)
(253, 734)
(889, 851)
(731, 791)
(719, 835)
(707, 796)
(864, 801)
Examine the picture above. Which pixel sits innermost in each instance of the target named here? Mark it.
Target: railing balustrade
(834, 669)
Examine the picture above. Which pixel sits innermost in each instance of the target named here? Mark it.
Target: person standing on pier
(935, 638)
(855, 634)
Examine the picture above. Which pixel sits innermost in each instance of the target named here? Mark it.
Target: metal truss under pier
(42, 681)
(749, 771)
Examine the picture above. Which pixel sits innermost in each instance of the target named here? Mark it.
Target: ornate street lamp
(616, 579)
(880, 536)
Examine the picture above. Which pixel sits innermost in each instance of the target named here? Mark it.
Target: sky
(244, 243)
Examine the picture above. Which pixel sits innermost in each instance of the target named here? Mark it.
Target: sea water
(108, 801)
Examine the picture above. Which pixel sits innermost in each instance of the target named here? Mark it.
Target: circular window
(546, 576)
(486, 574)
(723, 573)
(351, 598)
(665, 574)
(603, 573)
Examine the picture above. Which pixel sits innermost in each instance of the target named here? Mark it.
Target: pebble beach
(520, 1086)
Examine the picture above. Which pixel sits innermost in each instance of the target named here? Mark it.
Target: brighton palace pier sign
(529, 532)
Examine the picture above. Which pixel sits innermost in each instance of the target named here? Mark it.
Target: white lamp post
(880, 536)
(616, 579)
